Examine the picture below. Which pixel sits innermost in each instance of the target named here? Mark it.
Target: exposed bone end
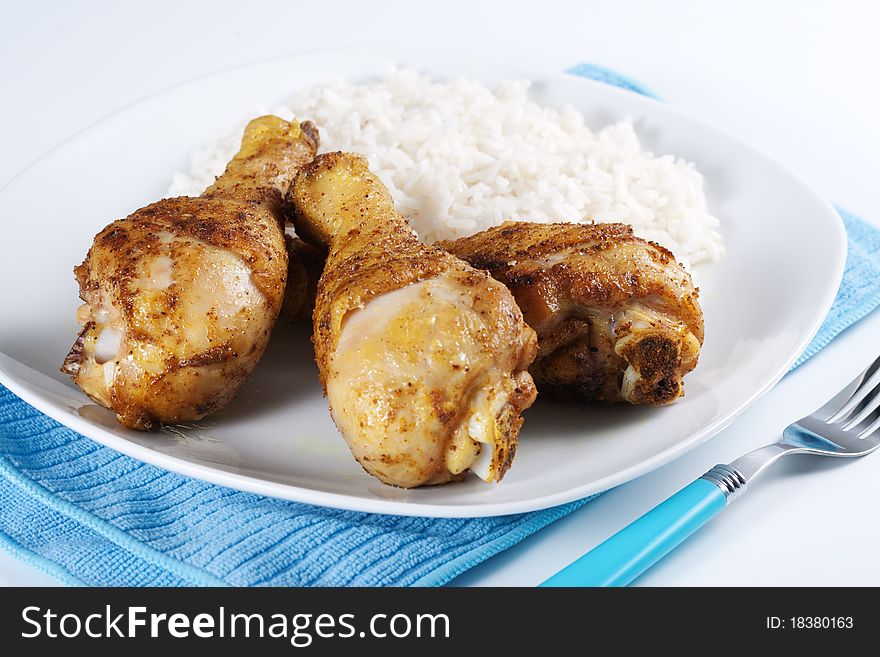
(482, 431)
(74, 359)
(485, 442)
(472, 445)
(653, 375)
(496, 456)
(657, 360)
(507, 426)
(462, 450)
(482, 465)
(108, 344)
(658, 351)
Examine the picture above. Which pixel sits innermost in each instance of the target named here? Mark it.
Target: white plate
(762, 303)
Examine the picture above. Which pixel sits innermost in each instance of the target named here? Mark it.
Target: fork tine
(862, 389)
(872, 404)
(873, 428)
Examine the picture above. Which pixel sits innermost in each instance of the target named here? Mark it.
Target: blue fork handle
(638, 546)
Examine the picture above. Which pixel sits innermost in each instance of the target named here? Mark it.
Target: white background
(797, 79)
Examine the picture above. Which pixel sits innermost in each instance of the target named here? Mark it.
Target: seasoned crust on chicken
(180, 296)
(617, 317)
(422, 357)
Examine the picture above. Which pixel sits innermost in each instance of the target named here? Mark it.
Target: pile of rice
(459, 157)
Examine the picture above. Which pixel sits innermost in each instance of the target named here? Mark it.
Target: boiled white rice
(459, 158)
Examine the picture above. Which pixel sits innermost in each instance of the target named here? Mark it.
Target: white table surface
(796, 79)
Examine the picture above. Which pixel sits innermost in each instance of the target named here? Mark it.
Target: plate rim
(345, 501)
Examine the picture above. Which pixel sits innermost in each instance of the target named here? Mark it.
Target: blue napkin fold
(89, 515)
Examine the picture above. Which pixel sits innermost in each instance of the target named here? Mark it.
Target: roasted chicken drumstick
(423, 358)
(180, 297)
(617, 317)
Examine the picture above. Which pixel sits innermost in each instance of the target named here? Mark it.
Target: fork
(847, 425)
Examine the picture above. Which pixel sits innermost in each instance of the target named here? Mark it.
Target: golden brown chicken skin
(422, 357)
(617, 317)
(180, 296)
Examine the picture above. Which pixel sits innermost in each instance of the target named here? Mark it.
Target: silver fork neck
(755, 462)
(732, 478)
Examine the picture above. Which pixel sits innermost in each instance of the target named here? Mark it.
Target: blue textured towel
(89, 515)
